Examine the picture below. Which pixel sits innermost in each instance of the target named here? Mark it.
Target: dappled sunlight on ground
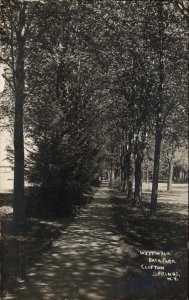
(175, 201)
(179, 192)
(97, 255)
(168, 232)
(85, 262)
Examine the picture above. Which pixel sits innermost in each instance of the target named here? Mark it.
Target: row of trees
(91, 81)
(150, 91)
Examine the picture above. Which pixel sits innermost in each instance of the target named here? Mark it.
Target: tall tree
(170, 67)
(14, 18)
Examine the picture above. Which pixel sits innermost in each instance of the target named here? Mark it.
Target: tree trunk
(170, 176)
(138, 181)
(2, 259)
(111, 174)
(159, 111)
(18, 201)
(123, 163)
(139, 156)
(158, 138)
(147, 175)
(124, 176)
(129, 170)
(124, 187)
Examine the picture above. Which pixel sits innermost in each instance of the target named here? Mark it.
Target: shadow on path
(97, 257)
(84, 262)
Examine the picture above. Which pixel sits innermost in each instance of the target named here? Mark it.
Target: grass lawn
(167, 233)
(137, 232)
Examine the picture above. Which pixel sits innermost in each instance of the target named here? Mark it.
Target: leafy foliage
(104, 82)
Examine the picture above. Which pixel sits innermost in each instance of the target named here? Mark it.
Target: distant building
(6, 171)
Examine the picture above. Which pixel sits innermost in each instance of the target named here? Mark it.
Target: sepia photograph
(94, 149)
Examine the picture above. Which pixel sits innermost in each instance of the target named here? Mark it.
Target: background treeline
(92, 86)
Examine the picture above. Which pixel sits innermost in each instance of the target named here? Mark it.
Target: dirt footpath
(84, 263)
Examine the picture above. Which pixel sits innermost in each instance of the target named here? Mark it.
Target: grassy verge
(167, 233)
(19, 253)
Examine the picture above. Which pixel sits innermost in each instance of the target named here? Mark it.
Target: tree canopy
(89, 86)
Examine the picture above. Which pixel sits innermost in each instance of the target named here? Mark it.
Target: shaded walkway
(97, 256)
(84, 263)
